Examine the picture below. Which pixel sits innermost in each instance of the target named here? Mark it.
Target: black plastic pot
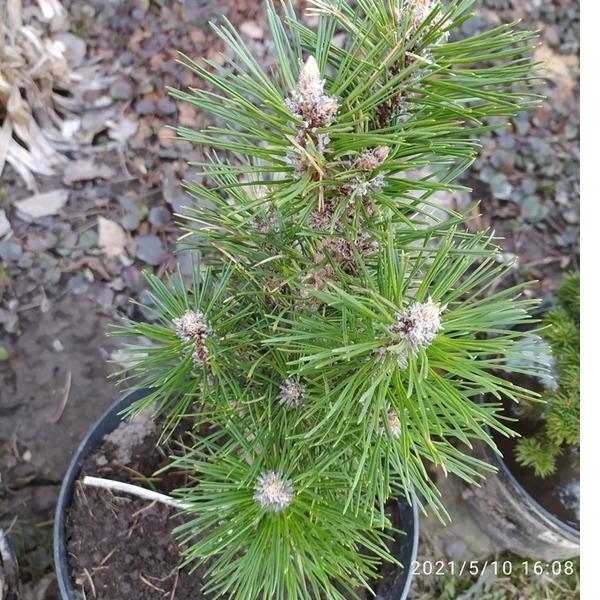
(405, 547)
(107, 423)
(511, 517)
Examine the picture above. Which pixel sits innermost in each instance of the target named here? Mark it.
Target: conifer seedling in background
(340, 326)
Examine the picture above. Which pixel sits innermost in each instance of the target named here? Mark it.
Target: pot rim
(568, 530)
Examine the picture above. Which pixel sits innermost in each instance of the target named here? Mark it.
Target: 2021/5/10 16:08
(499, 567)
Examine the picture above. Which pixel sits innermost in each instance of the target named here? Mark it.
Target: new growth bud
(393, 423)
(291, 393)
(273, 492)
(193, 326)
(417, 325)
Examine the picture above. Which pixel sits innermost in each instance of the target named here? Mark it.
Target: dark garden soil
(52, 388)
(120, 546)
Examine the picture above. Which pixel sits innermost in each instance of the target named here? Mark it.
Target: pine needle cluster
(341, 324)
(560, 413)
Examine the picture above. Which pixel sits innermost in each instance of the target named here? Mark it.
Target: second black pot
(513, 519)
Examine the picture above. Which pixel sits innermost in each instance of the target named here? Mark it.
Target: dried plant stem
(134, 490)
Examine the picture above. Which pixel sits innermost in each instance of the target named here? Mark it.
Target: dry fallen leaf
(53, 11)
(252, 29)
(111, 237)
(42, 205)
(122, 130)
(5, 138)
(91, 262)
(5, 228)
(74, 48)
(86, 169)
(558, 69)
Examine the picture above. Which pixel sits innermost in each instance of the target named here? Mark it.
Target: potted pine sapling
(337, 329)
(532, 506)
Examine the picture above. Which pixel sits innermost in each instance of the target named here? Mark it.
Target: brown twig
(107, 557)
(175, 585)
(151, 584)
(144, 509)
(91, 582)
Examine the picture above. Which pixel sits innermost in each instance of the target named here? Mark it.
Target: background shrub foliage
(559, 414)
(341, 324)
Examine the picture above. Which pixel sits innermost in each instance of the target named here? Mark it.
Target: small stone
(166, 136)
(500, 186)
(5, 228)
(486, 174)
(105, 297)
(533, 210)
(126, 59)
(117, 284)
(121, 89)
(88, 239)
(529, 186)
(78, 285)
(503, 160)
(145, 107)
(571, 216)
(252, 30)
(134, 279)
(145, 300)
(160, 217)
(9, 320)
(26, 261)
(166, 106)
(150, 249)
(551, 35)
(75, 48)
(522, 125)
(130, 203)
(135, 211)
(130, 221)
(10, 251)
(507, 142)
